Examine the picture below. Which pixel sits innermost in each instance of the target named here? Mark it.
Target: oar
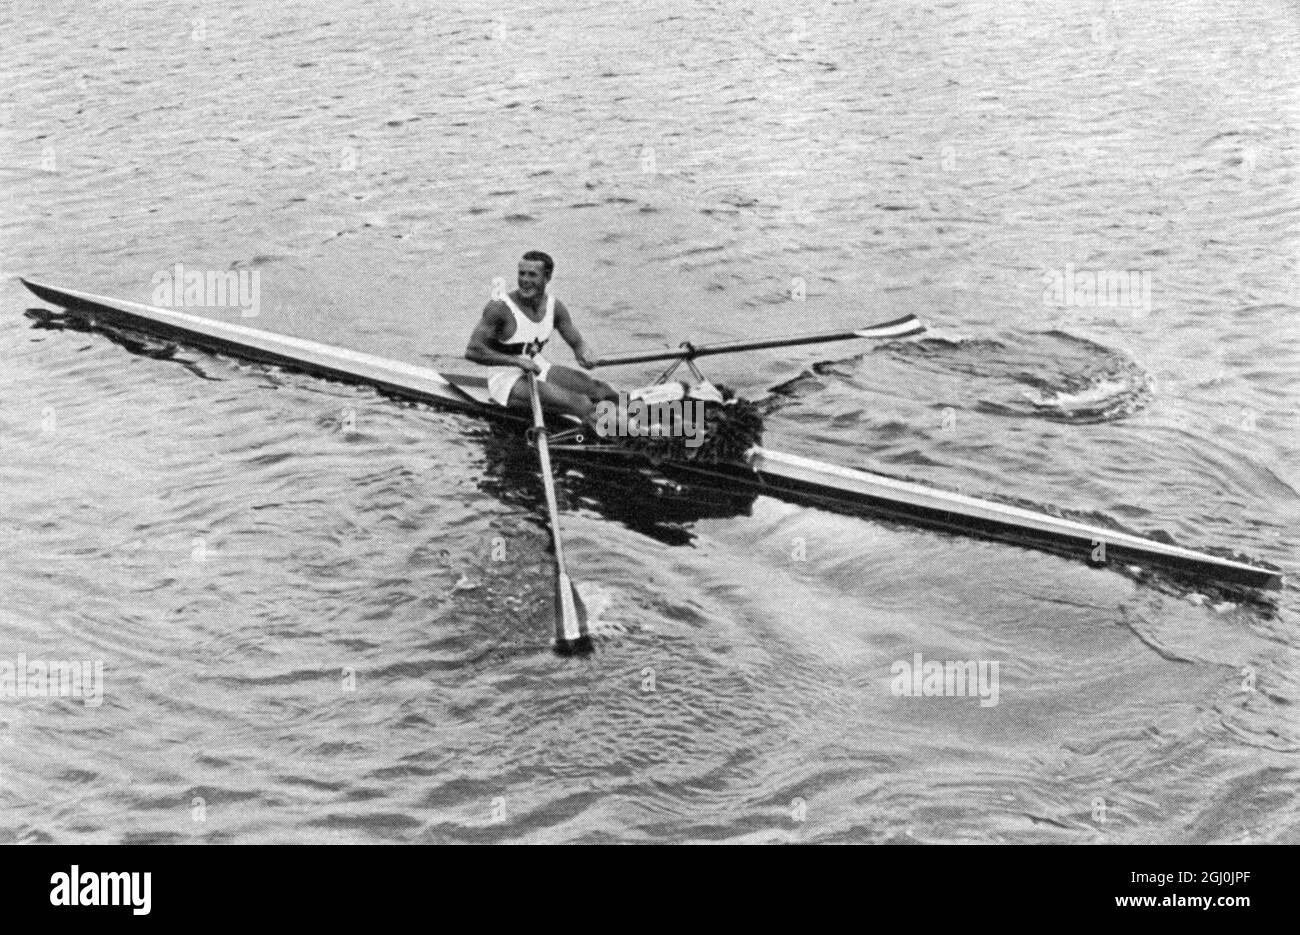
(905, 327)
(571, 635)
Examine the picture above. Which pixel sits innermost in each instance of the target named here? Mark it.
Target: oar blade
(572, 635)
(905, 327)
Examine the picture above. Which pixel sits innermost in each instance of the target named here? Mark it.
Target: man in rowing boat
(509, 339)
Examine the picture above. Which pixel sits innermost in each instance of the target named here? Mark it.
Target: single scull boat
(787, 476)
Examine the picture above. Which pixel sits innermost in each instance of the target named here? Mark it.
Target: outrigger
(763, 470)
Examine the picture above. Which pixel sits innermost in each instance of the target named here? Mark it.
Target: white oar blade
(571, 632)
(903, 328)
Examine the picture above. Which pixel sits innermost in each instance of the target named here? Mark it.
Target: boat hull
(791, 477)
(410, 381)
(788, 477)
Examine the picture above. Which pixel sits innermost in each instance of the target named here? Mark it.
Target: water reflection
(615, 487)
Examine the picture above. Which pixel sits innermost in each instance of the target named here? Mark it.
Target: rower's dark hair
(537, 256)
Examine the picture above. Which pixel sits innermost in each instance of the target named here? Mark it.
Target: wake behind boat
(789, 477)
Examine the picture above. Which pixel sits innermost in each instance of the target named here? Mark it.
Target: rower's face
(532, 278)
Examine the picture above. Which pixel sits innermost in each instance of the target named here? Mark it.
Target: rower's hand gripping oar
(571, 634)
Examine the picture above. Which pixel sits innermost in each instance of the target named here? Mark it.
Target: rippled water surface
(325, 616)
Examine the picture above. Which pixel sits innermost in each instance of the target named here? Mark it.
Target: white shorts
(501, 380)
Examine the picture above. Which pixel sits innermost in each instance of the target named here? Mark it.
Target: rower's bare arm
(582, 351)
(480, 350)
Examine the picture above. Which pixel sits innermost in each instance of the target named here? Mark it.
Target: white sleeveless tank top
(529, 336)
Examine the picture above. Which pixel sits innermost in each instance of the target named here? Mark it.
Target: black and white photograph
(797, 422)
